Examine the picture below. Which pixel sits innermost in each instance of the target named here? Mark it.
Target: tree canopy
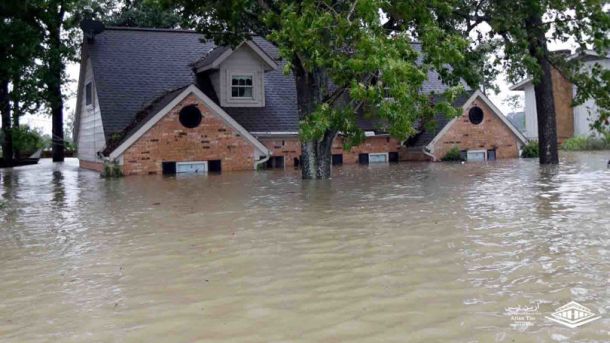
(519, 33)
(347, 59)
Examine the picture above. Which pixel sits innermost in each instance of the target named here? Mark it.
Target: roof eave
(520, 86)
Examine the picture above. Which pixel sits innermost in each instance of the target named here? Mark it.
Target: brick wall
(168, 140)
(564, 112)
(413, 154)
(95, 166)
(290, 148)
(370, 145)
(489, 134)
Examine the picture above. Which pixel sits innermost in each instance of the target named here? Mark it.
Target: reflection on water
(402, 253)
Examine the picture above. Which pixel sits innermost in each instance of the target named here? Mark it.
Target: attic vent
(475, 115)
(190, 116)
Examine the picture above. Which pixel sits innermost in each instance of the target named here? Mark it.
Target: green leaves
(356, 63)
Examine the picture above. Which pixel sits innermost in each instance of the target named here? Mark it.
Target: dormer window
(242, 86)
(237, 75)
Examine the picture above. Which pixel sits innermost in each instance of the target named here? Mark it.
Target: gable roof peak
(150, 29)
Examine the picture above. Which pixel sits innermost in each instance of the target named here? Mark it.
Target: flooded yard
(413, 252)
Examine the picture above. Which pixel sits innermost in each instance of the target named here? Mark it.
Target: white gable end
(247, 69)
(90, 132)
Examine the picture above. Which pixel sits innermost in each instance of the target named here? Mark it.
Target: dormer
(237, 75)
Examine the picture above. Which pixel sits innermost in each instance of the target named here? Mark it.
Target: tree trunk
(16, 114)
(316, 154)
(543, 89)
(7, 144)
(56, 102)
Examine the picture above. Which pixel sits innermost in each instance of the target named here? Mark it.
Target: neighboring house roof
(170, 101)
(496, 110)
(517, 119)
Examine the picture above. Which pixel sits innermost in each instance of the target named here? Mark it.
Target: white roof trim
(588, 53)
(258, 51)
(273, 133)
(468, 103)
(263, 55)
(521, 85)
(208, 102)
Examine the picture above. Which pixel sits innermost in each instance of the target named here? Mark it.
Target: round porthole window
(475, 115)
(190, 116)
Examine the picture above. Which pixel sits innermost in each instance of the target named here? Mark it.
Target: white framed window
(476, 155)
(191, 167)
(242, 86)
(89, 94)
(379, 158)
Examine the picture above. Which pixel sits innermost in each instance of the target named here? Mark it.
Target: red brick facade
(491, 133)
(564, 112)
(290, 148)
(214, 139)
(95, 166)
(169, 140)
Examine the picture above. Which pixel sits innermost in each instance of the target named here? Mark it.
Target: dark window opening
(190, 116)
(337, 159)
(169, 168)
(393, 157)
(89, 94)
(215, 166)
(297, 162)
(275, 162)
(475, 115)
(464, 154)
(491, 155)
(241, 86)
(363, 158)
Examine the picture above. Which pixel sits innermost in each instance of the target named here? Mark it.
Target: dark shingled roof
(136, 67)
(211, 56)
(140, 119)
(439, 121)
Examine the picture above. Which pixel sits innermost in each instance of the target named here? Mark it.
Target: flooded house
(482, 132)
(163, 101)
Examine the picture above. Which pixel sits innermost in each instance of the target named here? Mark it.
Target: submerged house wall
(169, 141)
(289, 147)
(491, 134)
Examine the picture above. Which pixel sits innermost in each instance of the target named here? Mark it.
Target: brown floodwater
(413, 252)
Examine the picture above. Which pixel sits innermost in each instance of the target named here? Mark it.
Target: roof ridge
(151, 29)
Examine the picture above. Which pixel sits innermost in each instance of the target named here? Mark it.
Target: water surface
(414, 252)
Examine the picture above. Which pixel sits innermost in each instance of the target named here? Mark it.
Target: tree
(20, 38)
(345, 60)
(58, 16)
(522, 29)
(143, 13)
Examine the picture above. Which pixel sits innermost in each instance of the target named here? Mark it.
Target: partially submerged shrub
(26, 141)
(453, 155)
(112, 169)
(530, 150)
(581, 143)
